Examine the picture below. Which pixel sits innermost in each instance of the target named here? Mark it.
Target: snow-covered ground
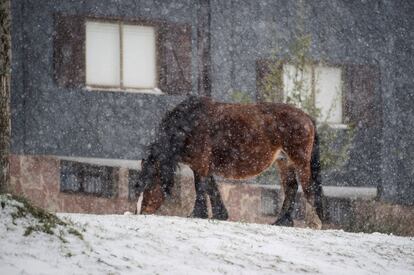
(129, 244)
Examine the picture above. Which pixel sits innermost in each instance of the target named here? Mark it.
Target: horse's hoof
(222, 216)
(315, 224)
(198, 215)
(311, 218)
(284, 221)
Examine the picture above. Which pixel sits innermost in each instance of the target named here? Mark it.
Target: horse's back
(277, 120)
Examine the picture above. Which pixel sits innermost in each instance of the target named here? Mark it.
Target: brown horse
(234, 141)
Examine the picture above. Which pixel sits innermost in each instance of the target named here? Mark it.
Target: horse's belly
(241, 165)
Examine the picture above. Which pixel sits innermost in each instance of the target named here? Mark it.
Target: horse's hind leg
(304, 175)
(200, 205)
(217, 205)
(290, 188)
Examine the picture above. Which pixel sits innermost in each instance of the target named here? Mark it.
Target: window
(315, 86)
(128, 55)
(77, 177)
(120, 55)
(320, 84)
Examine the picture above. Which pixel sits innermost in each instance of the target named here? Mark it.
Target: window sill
(154, 91)
(339, 126)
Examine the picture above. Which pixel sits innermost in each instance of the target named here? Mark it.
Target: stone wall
(38, 179)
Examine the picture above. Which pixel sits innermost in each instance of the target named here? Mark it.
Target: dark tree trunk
(5, 57)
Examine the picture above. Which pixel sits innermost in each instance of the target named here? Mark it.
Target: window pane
(297, 84)
(139, 69)
(329, 94)
(102, 54)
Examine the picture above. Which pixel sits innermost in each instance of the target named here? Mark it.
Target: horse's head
(148, 187)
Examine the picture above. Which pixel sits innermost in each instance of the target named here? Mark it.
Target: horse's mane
(174, 129)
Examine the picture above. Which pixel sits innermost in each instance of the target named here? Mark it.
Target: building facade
(76, 96)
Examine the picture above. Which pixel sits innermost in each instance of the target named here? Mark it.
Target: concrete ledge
(333, 191)
(366, 193)
(123, 163)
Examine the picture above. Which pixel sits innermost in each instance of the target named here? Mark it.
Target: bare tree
(5, 57)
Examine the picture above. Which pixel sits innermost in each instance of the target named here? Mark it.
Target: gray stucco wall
(47, 119)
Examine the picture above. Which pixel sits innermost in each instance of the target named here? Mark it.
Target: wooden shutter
(362, 105)
(174, 47)
(69, 51)
(264, 68)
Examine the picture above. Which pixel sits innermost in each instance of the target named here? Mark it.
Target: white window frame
(121, 87)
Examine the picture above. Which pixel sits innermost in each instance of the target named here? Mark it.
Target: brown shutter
(269, 81)
(69, 51)
(174, 47)
(361, 106)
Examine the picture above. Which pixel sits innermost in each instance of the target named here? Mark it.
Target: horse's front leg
(200, 205)
(217, 205)
(290, 188)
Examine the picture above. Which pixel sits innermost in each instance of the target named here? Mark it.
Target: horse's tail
(316, 175)
(174, 130)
